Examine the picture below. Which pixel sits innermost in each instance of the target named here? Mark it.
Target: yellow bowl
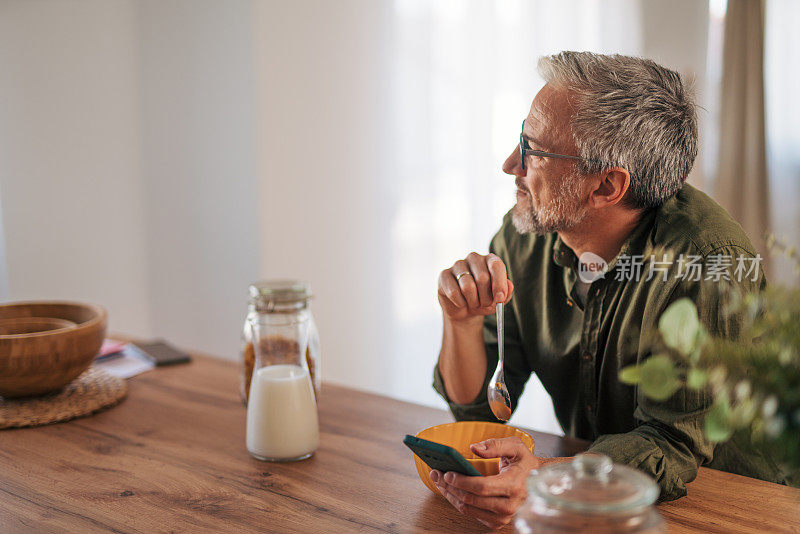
(460, 436)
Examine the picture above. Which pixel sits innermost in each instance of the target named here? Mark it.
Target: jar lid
(592, 484)
(279, 292)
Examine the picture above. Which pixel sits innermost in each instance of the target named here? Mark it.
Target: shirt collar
(563, 256)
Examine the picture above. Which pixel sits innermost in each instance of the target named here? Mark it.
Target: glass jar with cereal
(277, 303)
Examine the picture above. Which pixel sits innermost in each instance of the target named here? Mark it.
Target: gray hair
(631, 113)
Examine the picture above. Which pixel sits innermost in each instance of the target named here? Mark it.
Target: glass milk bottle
(282, 423)
(589, 494)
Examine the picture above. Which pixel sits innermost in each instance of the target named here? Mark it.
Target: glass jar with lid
(279, 302)
(589, 494)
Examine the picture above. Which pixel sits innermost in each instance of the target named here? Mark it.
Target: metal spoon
(497, 392)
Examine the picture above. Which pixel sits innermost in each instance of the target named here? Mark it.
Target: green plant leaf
(680, 327)
(659, 377)
(630, 375)
(717, 425)
(742, 413)
(700, 340)
(696, 378)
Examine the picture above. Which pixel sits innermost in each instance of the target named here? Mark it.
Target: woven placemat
(93, 391)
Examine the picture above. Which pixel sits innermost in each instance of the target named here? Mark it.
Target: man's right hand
(472, 287)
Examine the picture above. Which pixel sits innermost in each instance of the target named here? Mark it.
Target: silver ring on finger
(465, 273)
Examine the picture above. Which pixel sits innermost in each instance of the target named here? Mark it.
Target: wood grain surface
(171, 458)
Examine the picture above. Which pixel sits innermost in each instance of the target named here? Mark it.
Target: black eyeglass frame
(525, 150)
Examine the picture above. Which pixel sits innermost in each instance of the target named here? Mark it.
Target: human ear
(611, 188)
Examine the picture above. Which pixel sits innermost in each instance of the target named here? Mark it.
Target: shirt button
(587, 356)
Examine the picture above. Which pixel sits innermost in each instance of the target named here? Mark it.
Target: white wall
(198, 169)
(325, 173)
(70, 158)
(127, 169)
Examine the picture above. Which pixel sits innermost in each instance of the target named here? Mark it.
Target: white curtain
(782, 86)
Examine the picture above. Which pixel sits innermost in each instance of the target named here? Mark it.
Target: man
(600, 174)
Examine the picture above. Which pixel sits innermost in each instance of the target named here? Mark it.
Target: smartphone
(440, 457)
(162, 353)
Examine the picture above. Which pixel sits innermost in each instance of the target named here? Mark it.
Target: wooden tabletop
(171, 458)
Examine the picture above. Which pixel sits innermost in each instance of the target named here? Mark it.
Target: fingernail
(434, 476)
(501, 297)
(480, 446)
(449, 477)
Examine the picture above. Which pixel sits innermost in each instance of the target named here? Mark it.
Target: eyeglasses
(525, 150)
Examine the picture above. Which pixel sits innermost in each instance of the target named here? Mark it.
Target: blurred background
(157, 156)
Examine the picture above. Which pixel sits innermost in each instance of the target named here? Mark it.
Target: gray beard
(563, 214)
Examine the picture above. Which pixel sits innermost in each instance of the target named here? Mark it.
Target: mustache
(520, 185)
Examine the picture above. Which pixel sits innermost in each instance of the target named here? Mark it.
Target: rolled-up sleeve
(477, 410)
(669, 444)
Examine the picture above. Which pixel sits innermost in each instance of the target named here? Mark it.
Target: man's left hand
(492, 500)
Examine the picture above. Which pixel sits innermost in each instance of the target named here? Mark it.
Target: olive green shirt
(577, 346)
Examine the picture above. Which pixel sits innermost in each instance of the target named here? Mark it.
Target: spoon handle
(500, 339)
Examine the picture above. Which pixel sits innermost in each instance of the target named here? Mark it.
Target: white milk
(282, 414)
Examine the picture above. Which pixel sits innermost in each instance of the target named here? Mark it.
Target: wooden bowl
(460, 436)
(65, 339)
(32, 325)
